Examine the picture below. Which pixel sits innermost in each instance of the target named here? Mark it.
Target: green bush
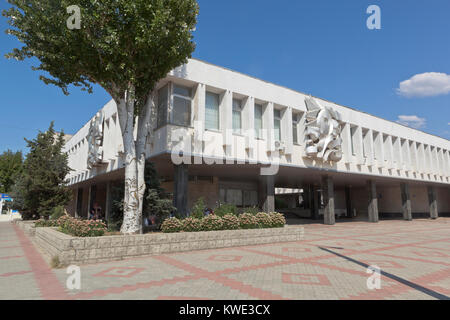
(192, 224)
(225, 209)
(230, 222)
(58, 212)
(81, 228)
(263, 220)
(277, 220)
(46, 223)
(172, 225)
(248, 221)
(251, 210)
(198, 210)
(212, 223)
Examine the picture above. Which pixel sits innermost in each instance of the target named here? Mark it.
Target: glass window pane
(234, 197)
(182, 91)
(277, 130)
(237, 116)
(212, 111)
(163, 94)
(181, 111)
(258, 120)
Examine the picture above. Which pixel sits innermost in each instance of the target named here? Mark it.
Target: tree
(124, 46)
(41, 186)
(10, 169)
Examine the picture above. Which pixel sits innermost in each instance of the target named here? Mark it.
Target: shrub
(263, 220)
(277, 220)
(172, 225)
(192, 224)
(224, 209)
(230, 222)
(82, 228)
(58, 212)
(46, 223)
(198, 210)
(212, 223)
(251, 210)
(248, 221)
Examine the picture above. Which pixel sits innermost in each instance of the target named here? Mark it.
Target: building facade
(228, 137)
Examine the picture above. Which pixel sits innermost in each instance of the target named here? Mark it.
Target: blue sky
(319, 47)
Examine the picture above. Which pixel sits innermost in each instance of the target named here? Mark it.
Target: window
(181, 112)
(277, 124)
(295, 121)
(163, 98)
(237, 116)
(353, 139)
(212, 111)
(258, 120)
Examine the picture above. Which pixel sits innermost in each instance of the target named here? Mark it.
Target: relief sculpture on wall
(95, 141)
(323, 132)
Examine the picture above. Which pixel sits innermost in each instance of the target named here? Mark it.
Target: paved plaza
(329, 263)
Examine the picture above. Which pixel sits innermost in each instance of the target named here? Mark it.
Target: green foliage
(57, 212)
(263, 220)
(41, 186)
(81, 228)
(198, 210)
(230, 222)
(225, 208)
(46, 223)
(251, 210)
(121, 43)
(248, 221)
(55, 262)
(10, 169)
(172, 225)
(277, 220)
(192, 224)
(212, 223)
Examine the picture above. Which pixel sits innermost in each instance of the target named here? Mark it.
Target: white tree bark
(135, 155)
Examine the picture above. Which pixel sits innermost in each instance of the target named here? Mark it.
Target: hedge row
(227, 222)
(75, 227)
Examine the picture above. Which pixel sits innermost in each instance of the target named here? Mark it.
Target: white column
(199, 117)
(358, 140)
(226, 118)
(248, 124)
(347, 144)
(370, 148)
(268, 127)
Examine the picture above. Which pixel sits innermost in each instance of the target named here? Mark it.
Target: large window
(163, 102)
(295, 122)
(212, 111)
(277, 124)
(237, 116)
(258, 120)
(181, 112)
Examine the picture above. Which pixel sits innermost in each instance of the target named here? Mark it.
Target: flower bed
(75, 227)
(228, 222)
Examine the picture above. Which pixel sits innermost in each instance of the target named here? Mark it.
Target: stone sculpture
(95, 141)
(323, 132)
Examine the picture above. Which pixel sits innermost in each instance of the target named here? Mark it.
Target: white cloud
(412, 121)
(427, 84)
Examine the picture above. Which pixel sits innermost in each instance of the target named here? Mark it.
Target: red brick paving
(415, 251)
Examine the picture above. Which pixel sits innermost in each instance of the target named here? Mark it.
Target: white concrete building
(231, 127)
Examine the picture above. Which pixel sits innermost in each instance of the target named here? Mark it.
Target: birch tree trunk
(135, 156)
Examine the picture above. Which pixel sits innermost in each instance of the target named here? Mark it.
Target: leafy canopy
(121, 43)
(10, 169)
(41, 186)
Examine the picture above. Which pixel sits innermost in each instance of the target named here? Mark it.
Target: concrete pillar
(328, 199)
(348, 201)
(180, 186)
(373, 201)
(269, 194)
(433, 202)
(406, 202)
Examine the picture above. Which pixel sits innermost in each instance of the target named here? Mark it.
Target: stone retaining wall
(73, 250)
(27, 227)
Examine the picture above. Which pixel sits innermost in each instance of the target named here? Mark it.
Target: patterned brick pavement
(329, 263)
